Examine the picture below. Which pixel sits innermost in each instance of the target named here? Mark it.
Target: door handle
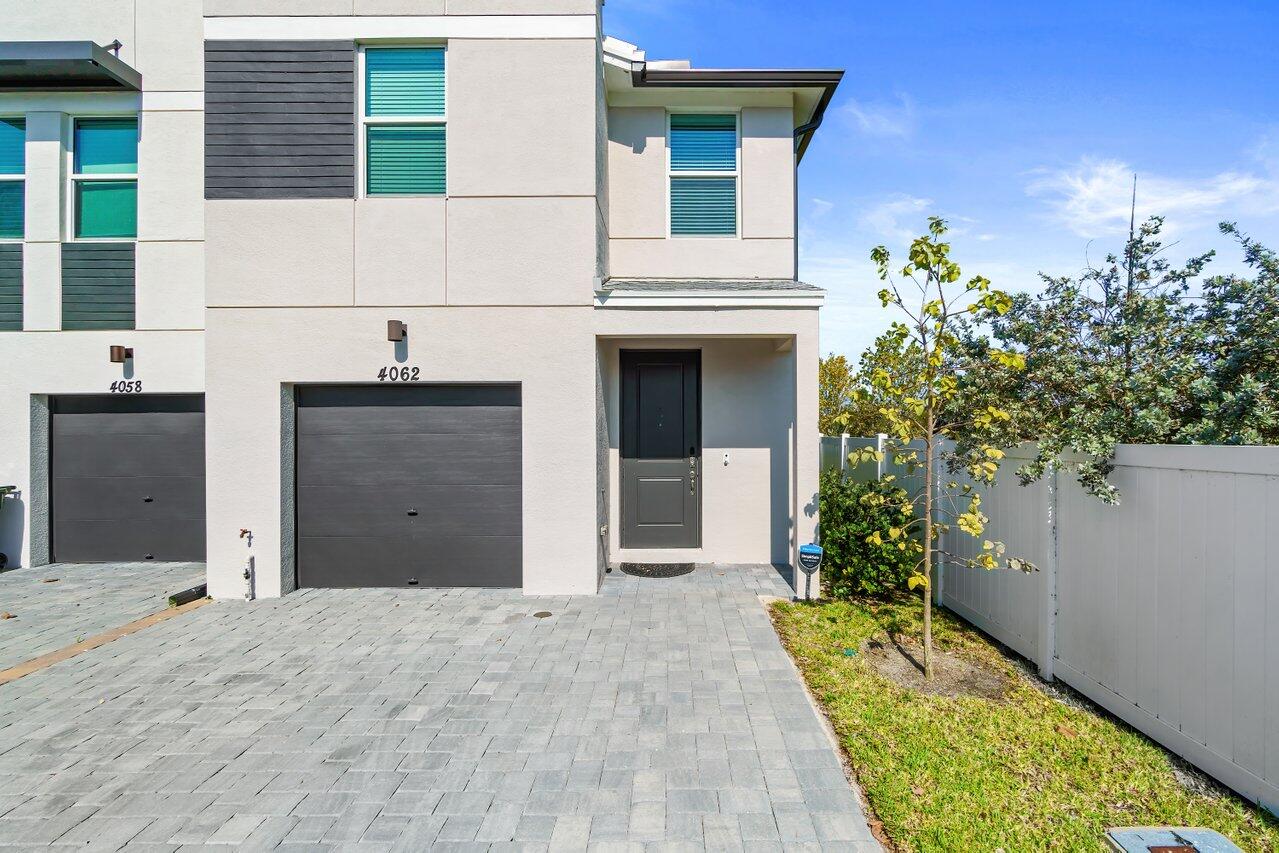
(692, 475)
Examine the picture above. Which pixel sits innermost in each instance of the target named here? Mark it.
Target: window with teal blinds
(105, 193)
(13, 167)
(703, 175)
(106, 146)
(405, 159)
(13, 146)
(703, 143)
(404, 130)
(404, 81)
(704, 207)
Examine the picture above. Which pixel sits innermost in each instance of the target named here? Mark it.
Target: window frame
(736, 174)
(363, 120)
(75, 178)
(18, 177)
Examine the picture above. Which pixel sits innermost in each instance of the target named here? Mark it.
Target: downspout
(795, 217)
(802, 133)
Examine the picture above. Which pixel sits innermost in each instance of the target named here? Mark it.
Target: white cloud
(886, 218)
(1094, 197)
(821, 207)
(882, 118)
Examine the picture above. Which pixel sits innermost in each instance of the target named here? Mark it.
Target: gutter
(731, 78)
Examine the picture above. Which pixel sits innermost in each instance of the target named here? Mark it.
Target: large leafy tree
(919, 363)
(1236, 401)
(1130, 352)
(852, 402)
(842, 405)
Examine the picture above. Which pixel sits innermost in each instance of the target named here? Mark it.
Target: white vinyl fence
(1164, 610)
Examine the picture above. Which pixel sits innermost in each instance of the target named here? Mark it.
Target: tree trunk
(928, 551)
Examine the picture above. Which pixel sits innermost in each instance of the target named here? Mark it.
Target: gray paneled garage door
(409, 486)
(127, 478)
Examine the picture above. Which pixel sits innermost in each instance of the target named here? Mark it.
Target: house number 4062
(399, 374)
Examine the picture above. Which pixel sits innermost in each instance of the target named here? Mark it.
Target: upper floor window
(703, 174)
(104, 183)
(13, 168)
(403, 121)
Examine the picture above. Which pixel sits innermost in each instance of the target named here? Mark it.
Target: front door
(661, 448)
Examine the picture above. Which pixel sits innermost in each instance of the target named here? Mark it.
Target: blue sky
(1020, 122)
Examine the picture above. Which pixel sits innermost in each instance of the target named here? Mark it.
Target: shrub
(851, 565)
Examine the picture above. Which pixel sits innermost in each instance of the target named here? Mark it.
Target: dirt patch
(901, 662)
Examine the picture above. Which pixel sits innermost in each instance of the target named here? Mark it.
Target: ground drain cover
(657, 570)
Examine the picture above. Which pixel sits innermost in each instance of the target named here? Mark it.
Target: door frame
(622, 353)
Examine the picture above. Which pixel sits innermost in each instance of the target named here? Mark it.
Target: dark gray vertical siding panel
(279, 119)
(11, 287)
(98, 286)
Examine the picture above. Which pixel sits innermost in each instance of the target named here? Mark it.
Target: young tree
(922, 361)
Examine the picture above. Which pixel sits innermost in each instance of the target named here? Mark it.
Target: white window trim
(74, 178)
(20, 177)
(736, 173)
(363, 121)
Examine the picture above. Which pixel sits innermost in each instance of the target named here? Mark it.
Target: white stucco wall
(47, 363)
(163, 39)
(638, 200)
(400, 7)
(253, 353)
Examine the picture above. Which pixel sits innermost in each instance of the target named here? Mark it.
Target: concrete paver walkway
(85, 599)
(660, 714)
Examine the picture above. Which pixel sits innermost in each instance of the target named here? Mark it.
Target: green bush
(850, 512)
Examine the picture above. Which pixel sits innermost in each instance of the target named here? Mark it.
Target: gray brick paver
(657, 715)
(85, 599)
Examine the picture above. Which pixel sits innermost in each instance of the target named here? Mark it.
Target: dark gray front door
(661, 449)
(409, 486)
(127, 478)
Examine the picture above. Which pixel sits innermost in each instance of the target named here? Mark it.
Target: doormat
(657, 570)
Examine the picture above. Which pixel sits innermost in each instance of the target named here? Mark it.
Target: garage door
(127, 478)
(411, 486)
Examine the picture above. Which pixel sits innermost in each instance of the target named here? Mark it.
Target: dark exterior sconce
(396, 330)
(120, 354)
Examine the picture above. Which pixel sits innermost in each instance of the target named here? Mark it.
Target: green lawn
(1025, 772)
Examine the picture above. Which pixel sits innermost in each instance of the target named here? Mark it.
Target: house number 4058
(399, 374)
(132, 386)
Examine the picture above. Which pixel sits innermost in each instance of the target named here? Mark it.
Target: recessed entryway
(127, 478)
(661, 445)
(409, 486)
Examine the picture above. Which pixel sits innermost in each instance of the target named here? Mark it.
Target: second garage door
(127, 478)
(409, 486)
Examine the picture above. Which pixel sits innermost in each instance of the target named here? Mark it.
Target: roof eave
(742, 78)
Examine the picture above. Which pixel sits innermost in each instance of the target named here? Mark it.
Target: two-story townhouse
(491, 300)
(101, 281)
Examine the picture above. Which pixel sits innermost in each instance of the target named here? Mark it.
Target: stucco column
(41, 253)
(807, 441)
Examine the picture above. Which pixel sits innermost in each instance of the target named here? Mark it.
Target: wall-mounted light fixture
(120, 354)
(396, 330)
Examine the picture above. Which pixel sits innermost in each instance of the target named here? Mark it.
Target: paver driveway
(61, 604)
(660, 713)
